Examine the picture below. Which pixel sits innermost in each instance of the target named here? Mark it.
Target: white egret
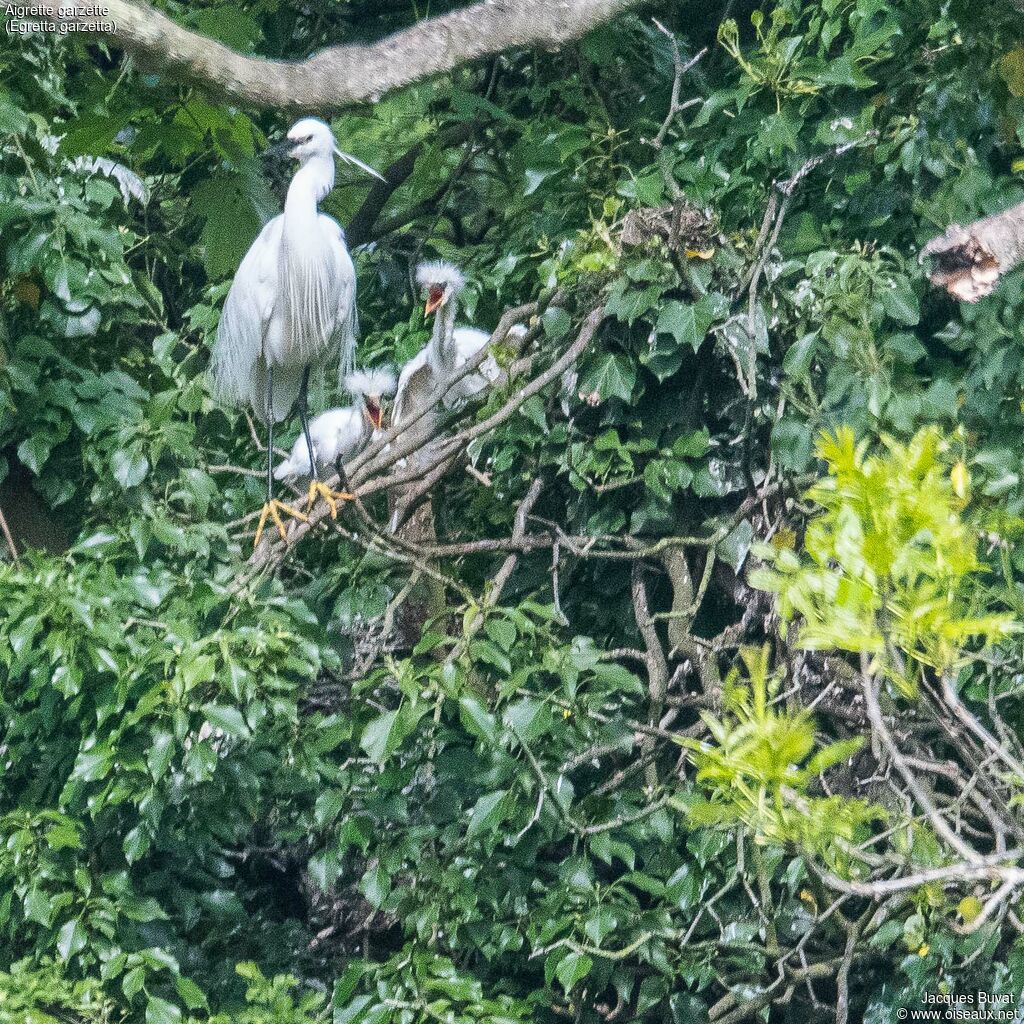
(337, 434)
(449, 349)
(291, 307)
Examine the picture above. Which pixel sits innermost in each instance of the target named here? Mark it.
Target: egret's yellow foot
(272, 510)
(331, 497)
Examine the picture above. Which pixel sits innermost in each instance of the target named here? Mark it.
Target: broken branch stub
(970, 261)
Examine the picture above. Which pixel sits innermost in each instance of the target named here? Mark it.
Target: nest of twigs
(678, 225)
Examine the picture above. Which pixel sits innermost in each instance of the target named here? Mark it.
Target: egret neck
(442, 341)
(310, 294)
(312, 181)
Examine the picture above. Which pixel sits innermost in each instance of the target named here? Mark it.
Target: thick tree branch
(657, 667)
(341, 76)
(969, 261)
(360, 227)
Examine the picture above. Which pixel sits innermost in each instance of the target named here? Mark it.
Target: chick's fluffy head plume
(378, 383)
(441, 273)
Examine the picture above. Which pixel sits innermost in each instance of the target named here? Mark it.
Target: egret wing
(321, 306)
(469, 341)
(348, 316)
(247, 317)
(414, 385)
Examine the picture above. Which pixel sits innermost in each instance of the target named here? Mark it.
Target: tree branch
(360, 227)
(657, 667)
(969, 261)
(341, 76)
(920, 794)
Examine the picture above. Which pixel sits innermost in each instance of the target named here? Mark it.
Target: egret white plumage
(337, 434)
(449, 348)
(291, 306)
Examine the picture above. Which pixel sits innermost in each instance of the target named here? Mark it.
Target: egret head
(310, 138)
(372, 387)
(440, 281)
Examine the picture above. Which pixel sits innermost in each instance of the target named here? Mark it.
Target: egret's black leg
(273, 508)
(316, 486)
(303, 417)
(270, 433)
(339, 467)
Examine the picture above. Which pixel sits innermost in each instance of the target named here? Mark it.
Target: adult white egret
(337, 434)
(449, 349)
(291, 306)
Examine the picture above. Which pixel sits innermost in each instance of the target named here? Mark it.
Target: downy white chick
(338, 434)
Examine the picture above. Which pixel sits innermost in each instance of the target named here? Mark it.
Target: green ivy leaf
(191, 994)
(687, 322)
(375, 886)
(37, 907)
(899, 301)
(231, 720)
(71, 939)
(133, 982)
(733, 549)
(478, 719)
(487, 814)
(34, 451)
(382, 737)
(160, 1011)
(573, 969)
(129, 466)
(611, 377)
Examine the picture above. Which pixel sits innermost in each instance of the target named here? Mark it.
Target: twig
(952, 698)
(238, 470)
(482, 478)
(788, 186)
(518, 530)
(9, 539)
(675, 107)
(920, 795)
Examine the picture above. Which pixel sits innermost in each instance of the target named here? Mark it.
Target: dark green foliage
(205, 768)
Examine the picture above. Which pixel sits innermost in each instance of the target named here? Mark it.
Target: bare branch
(657, 667)
(9, 538)
(969, 261)
(360, 228)
(953, 874)
(341, 76)
(918, 790)
(518, 532)
(675, 107)
(952, 699)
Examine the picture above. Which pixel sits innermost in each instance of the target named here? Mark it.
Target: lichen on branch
(342, 76)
